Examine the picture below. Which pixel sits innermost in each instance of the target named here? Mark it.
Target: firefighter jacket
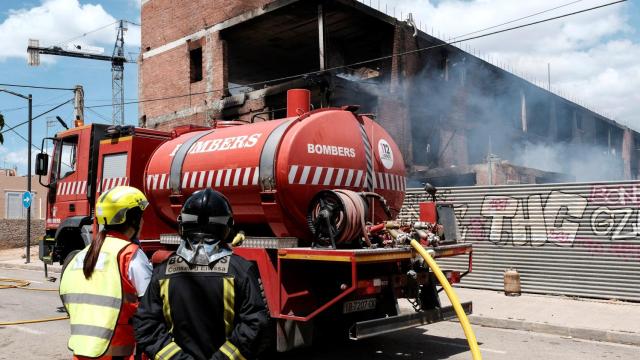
(100, 307)
(202, 312)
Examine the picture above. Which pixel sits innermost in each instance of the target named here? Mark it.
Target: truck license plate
(359, 305)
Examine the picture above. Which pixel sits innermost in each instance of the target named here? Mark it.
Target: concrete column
(628, 154)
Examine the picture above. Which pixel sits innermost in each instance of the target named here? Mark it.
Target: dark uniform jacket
(202, 312)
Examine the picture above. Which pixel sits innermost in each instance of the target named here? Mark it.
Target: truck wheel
(67, 260)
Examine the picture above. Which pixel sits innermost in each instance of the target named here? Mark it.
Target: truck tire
(67, 260)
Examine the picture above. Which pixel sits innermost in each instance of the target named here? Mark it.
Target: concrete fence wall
(13, 233)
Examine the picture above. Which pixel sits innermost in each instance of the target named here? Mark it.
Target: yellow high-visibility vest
(93, 305)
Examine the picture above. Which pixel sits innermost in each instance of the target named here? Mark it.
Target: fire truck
(316, 194)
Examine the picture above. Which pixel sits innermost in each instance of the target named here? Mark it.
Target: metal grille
(114, 166)
(576, 239)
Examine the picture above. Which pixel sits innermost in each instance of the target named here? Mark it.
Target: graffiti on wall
(601, 218)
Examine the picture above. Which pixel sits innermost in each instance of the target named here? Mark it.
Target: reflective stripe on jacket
(95, 305)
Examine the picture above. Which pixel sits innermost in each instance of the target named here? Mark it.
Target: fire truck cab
(86, 161)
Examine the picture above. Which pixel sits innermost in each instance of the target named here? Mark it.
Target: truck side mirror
(42, 164)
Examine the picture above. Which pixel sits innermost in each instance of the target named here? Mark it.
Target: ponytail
(92, 254)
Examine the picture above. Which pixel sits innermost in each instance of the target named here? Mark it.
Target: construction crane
(117, 60)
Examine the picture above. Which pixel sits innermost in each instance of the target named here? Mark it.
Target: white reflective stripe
(236, 179)
(381, 180)
(316, 176)
(210, 178)
(90, 330)
(162, 177)
(149, 177)
(339, 177)
(219, 177)
(364, 178)
(92, 299)
(305, 174)
(203, 175)
(404, 183)
(227, 176)
(126, 181)
(74, 185)
(155, 181)
(292, 173)
(349, 178)
(394, 182)
(194, 177)
(185, 178)
(256, 175)
(358, 179)
(247, 173)
(327, 178)
(60, 188)
(83, 189)
(388, 180)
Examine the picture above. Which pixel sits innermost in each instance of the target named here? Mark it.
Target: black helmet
(206, 215)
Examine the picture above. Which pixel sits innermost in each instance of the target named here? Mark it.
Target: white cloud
(56, 21)
(591, 55)
(10, 158)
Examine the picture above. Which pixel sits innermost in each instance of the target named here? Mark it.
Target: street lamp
(29, 99)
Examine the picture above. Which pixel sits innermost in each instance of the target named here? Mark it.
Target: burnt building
(457, 119)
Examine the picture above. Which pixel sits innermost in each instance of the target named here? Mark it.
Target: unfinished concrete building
(457, 119)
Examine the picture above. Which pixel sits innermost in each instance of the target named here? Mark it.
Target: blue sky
(593, 56)
(94, 76)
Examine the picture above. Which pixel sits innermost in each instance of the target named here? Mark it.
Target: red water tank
(271, 170)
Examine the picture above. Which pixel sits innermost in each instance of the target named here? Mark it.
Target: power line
(37, 116)
(37, 87)
(85, 34)
(363, 62)
(47, 103)
(516, 20)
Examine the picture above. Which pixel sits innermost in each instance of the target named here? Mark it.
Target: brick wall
(164, 21)
(13, 233)
(166, 74)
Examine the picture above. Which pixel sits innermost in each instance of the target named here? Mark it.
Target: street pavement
(523, 327)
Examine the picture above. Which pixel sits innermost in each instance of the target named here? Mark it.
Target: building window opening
(195, 62)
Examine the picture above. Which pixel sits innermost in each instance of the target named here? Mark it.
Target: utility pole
(78, 103)
(29, 98)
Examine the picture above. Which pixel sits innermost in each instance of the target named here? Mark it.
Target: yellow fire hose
(464, 321)
(22, 284)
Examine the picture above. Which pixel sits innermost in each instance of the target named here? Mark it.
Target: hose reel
(336, 218)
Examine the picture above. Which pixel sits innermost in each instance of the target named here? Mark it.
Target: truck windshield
(64, 158)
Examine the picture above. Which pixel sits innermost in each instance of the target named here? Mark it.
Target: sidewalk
(599, 320)
(15, 259)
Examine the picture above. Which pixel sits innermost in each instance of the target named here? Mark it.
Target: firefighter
(203, 302)
(100, 285)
